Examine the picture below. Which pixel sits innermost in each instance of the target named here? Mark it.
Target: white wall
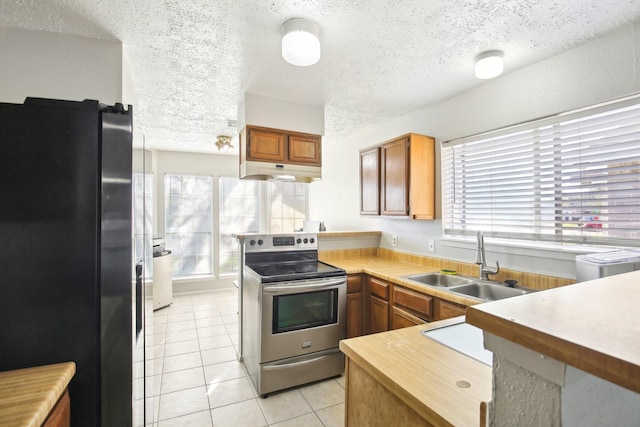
(51, 65)
(605, 68)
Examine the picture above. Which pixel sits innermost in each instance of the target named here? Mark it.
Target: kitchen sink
(488, 292)
(439, 279)
(482, 289)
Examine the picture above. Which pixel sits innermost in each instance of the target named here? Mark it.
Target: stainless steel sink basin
(439, 279)
(485, 290)
(488, 292)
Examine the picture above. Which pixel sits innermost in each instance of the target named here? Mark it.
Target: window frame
(167, 213)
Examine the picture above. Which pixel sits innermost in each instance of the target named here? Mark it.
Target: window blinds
(569, 178)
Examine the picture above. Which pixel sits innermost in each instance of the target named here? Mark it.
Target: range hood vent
(279, 172)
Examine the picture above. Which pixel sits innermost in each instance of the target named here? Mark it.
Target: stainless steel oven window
(294, 312)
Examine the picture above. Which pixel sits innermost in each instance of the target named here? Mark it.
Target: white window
(569, 178)
(189, 223)
(242, 203)
(239, 212)
(288, 206)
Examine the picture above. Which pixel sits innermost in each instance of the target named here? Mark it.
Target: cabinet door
(354, 315)
(422, 177)
(355, 312)
(394, 177)
(305, 149)
(266, 145)
(370, 181)
(379, 315)
(402, 319)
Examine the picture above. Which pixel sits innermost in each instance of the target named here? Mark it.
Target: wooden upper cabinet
(405, 178)
(422, 177)
(274, 145)
(394, 177)
(305, 149)
(370, 181)
(266, 145)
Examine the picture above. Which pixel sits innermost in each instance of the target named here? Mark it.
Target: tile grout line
(220, 308)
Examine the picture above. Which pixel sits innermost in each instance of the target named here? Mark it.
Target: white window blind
(569, 178)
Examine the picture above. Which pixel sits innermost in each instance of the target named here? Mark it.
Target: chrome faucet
(485, 270)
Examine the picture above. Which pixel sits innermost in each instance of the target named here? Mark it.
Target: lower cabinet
(410, 308)
(387, 306)
(355, 312)
(377, 304)
(60, 415)
(378, 315)
(403, 319)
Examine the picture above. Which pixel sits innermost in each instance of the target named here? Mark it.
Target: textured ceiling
(193, 60)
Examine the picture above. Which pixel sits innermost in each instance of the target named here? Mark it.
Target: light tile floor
(196, 380)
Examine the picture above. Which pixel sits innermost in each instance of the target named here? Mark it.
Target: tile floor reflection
(194, 378)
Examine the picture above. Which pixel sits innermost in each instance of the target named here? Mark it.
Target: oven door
(302, 317)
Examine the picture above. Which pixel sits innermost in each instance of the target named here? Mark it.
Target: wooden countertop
(424, 373)
(28, 395)
(593, 326)
(393, 271)
(348, 233)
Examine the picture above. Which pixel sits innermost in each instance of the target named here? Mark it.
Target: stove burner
(289, 265)
(277, 269)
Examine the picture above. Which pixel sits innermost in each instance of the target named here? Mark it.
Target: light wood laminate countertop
(394, 271)
(28, 395)
(593, 326)
(426, 375)
(348, 233)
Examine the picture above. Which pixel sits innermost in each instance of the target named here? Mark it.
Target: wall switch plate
(431, 245)
(394, 241)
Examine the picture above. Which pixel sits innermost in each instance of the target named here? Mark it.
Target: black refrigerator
(65, 249)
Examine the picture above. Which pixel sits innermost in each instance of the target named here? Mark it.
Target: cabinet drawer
(379, 288)
(416, 302)
(448, 310)
(354, 283)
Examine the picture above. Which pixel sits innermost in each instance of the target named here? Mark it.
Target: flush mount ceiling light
(489, 64)
(223, 142)
(300, 42)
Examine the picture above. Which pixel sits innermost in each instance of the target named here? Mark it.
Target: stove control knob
(299, 240)
(312, 240)
(252, 242)
(260, 241)
(305, 240)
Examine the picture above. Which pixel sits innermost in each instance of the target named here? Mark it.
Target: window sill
(526, 248)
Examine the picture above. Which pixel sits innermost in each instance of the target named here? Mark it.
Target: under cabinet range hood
(279, 171)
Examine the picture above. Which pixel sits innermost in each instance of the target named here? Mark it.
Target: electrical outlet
(394, 241)
(431, 245)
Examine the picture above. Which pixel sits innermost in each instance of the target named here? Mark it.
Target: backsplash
(529, 280)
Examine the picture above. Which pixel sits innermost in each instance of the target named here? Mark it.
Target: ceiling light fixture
(489, 64)
(223, 142)
(300, 42)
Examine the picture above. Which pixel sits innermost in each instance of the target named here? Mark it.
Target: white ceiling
(192, 61)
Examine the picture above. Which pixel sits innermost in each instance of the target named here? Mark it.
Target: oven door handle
(277, 289)
(302, 363)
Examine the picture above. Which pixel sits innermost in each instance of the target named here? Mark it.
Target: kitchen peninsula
(565, 356)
